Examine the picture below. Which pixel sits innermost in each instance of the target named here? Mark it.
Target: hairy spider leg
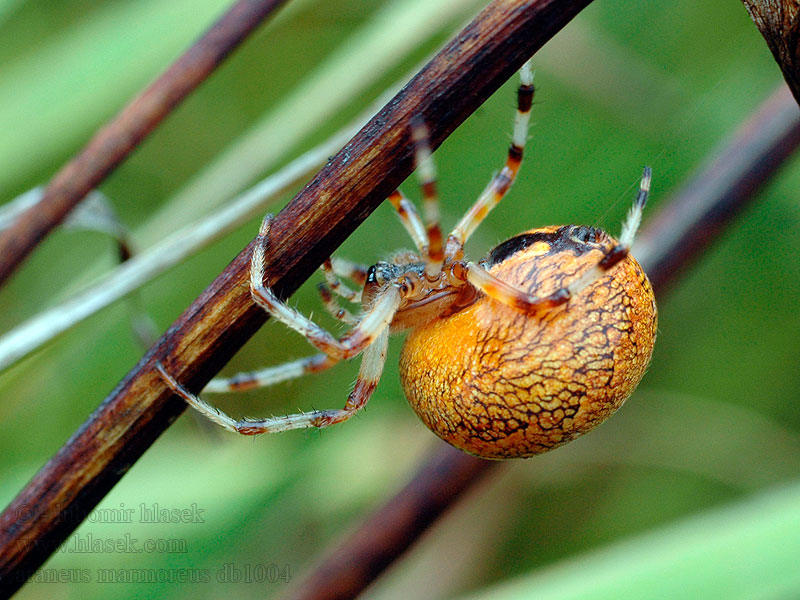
(523, 301)
(336, 310)
(368, 376)
(369, 335)
(335, 284)
(370, 324)
(411, 220)
(312, 364)
(502, 181)
(426, 174)
(267, 376)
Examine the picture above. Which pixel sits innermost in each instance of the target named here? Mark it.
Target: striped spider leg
(478, 275)
(333, 269)
(501, 291)
(334, 285)
(369, 335)
(501, 182)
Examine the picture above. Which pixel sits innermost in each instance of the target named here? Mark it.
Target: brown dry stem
(453, 85)
(115, 141)
(779, 23)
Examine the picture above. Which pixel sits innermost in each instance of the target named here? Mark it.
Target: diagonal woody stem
(779, 23)
(452, 86)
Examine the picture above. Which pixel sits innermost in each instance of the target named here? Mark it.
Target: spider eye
(583, 234)
(587, 235)
(379, 273)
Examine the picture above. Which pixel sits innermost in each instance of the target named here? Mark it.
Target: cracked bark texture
(779, 23)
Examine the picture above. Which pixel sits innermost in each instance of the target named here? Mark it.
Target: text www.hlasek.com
(126, 544)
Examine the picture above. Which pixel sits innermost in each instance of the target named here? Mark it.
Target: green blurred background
(690, 491)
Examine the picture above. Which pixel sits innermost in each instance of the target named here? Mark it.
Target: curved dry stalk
(114, 142)
(701, 209)
(354, 182)
(686, 225)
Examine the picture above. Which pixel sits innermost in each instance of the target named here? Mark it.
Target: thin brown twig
(114, 142)
(361, 557)
(779, 23)
(687, 224)
(354, 182)
(701, 209)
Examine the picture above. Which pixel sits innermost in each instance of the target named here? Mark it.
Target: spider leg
(335, 284)
(411, 221)
(369, 327)
(502, 181)
(270, 375)
(426, 174)
(369, 335)
(333, 307)
(349, 270)
(525, 302)
(289, 370)
(368, 376)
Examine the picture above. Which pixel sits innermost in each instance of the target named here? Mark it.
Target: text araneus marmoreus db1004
(508, 357)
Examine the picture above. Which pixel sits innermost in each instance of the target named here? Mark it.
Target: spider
(511, 356)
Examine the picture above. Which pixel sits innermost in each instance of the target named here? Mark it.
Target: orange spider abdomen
(500, 383)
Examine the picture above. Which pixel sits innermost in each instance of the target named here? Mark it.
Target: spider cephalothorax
(507, 357)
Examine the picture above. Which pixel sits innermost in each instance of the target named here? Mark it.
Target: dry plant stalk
(779, 23)
(354, 182)
(115, 141)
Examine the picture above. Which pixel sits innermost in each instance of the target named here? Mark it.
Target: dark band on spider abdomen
(577, 239)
